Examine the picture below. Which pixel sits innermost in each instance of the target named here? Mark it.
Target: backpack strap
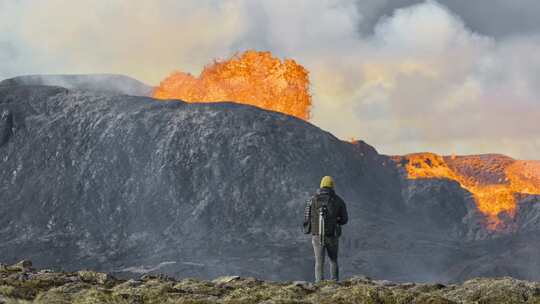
(324, 202)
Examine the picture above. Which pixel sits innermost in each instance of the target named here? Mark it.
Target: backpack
(327, 203)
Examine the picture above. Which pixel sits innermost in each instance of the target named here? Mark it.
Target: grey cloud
(431, 83)
(498, 18)
(495, 18)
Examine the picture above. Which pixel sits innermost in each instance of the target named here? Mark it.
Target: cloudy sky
(448, 76)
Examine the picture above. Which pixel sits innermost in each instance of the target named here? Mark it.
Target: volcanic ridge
(133, 185)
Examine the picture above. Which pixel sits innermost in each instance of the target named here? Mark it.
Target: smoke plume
(403, 75)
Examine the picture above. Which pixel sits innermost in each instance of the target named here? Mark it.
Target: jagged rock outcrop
(133, 185)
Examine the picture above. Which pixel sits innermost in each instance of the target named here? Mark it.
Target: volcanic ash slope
(135, 185)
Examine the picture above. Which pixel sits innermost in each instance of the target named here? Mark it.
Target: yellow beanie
(327, 182)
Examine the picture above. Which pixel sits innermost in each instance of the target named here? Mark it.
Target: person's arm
(307, 213)
(343, 217)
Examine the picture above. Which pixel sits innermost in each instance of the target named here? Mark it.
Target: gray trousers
(331, 247)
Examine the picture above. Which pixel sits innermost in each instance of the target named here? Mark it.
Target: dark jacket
(337, 213)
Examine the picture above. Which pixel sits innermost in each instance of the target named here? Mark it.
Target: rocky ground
(20, 283)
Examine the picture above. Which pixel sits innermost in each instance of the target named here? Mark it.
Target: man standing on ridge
(324, 215)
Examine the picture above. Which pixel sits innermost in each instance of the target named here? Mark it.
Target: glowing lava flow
(254, 78)
(494, 180)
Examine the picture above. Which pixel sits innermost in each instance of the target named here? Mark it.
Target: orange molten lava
(492, 179)
(254, 78)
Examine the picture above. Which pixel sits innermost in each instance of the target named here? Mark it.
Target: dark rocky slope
(120, 182)
(133, 185)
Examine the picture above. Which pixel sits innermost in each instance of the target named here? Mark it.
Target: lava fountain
(254, 78)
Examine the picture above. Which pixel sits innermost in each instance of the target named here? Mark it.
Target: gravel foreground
(20, 283)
